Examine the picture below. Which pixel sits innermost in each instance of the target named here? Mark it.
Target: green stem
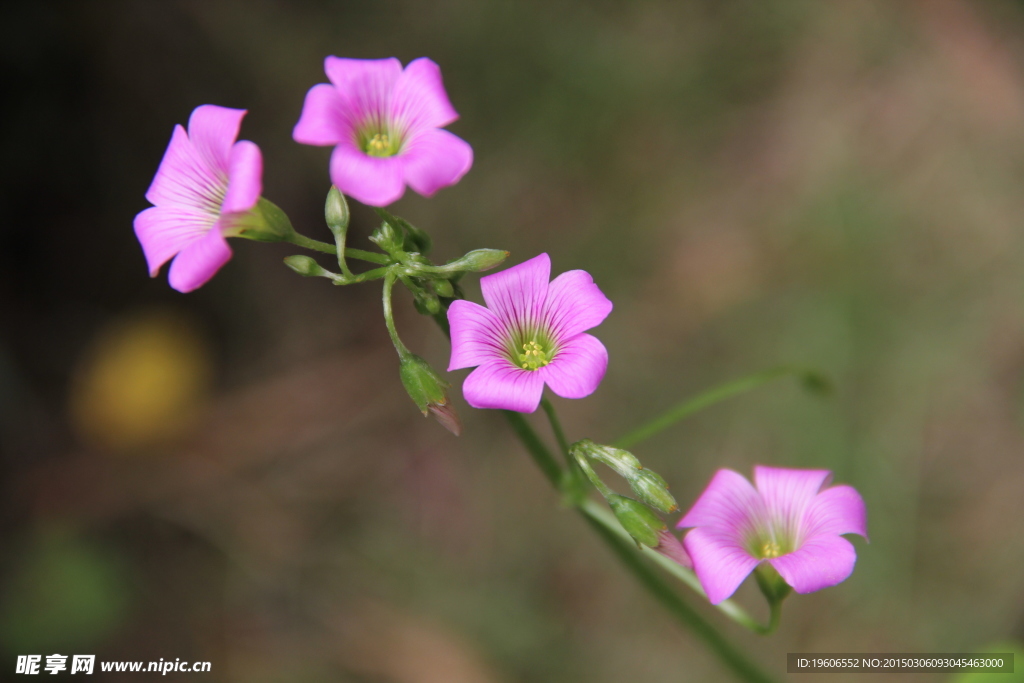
(556, 427)
(535, 447)
(709, 398)
(678, 607)
(389, 319)
(358, 254)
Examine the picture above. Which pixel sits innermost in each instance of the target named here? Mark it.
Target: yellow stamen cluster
(378, 145)
(533, 356)
(770, 549)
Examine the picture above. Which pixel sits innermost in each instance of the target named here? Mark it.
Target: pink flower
(205, 183)
(385, 124)
(530, 334)
(785, 521)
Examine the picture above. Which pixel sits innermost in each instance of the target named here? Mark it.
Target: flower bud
(265, 222)
(475, 261)
(428, 391)
(306, 266)
(642, 524)
(387, 238)
(336, 212)
(444, 288)
(414, 240)
(652, 489)
(445, 414)
(623, 462)
(426, 303)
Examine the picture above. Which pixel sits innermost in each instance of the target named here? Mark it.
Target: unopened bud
(636, 518)
(445, 414)
(426, 303)
(306, 266)
(623, 462)
(444, 288)
(415, 239)
(387, 238)
(336, 211)
(476, 261)
(652, 489)
(425, 386)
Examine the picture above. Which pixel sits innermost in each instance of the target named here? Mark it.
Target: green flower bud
(643, 525)
(429, 392)
(387, 238)
(265, 222)
(475, 261)
(336, 212)
(444, 288)
(426, 303)
(425, 386)
(652, 489)
(414, 240)
(306, 266)
(623, 462)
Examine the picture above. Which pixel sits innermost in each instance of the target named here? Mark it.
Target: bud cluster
(635, 516)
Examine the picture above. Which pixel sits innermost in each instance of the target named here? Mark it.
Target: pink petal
(164, 231)
(376, 181)
(185, 179)
(730, 504)
(435, 159)
(836, 510)
(419, 99)
(213, 130)
(364, 85)
(502, 385)
(787, 493)
(477, 335)
(577, 368)
(245, 177)
(323, 121)
(199, 261)
(820, 562)
(672, 548)
(516, 295)
(575, 304)
(720, 562)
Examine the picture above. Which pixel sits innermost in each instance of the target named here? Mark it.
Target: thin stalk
(389, 319)
(708, 398)
(358, 254)
(535, 447)
(678, 607)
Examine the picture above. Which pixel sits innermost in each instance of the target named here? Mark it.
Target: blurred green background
(236, 475)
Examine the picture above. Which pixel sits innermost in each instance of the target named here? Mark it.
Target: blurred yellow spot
(143, 383)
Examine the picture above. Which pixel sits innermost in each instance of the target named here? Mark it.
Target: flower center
(534, 356)
(770, 549)
(378, 140)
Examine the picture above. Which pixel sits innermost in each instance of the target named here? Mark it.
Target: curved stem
(389, 319)
(711, 397)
